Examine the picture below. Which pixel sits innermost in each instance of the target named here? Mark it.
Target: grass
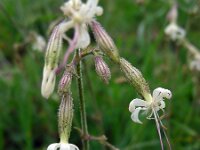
(28, 121)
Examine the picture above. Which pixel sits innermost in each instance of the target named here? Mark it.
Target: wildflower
(152, 105)
(175, 32)
(102, 69)
(79, 15)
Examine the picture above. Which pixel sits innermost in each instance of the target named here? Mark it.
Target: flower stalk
(82, 102)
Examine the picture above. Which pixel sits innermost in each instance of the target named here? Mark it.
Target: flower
(152, 105)
(62, 146)
(81, 14)
(175, 32)
(78, 16)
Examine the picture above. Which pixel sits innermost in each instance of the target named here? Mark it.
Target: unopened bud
(105, 42)
(65, 116)
(65, 81)
(102, 69)
(51, 62)
(135, 77)
(173, 14)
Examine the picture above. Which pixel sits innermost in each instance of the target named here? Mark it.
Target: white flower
(79, 15)
(62, 146)
(175, 32)
(82, 14)
(154, 104)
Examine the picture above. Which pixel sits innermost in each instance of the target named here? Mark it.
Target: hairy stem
(82, 103)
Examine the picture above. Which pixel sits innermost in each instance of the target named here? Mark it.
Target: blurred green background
(29, 122)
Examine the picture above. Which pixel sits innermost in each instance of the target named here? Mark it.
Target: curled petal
(162, 104)
(161, 93)
(48, 81)
(53, 146)
(135, 115)
(136, 103)
(90, 9)
(99, 11)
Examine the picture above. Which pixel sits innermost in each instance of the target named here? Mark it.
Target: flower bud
(102, 69)
(65, 116)
(51, 62)
(173, 14)
(105, 42)
(65, 81)
(135, 77)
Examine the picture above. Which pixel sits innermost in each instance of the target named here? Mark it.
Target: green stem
(82, 104)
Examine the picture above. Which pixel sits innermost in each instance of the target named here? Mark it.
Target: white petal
(73, 147)
(88, 10)
(99, 11)
(53, 146)
(136, 103)
(135, 115)
(161, 93)
(162, 104)
(84, 37)
(48, 82)
(65, 146)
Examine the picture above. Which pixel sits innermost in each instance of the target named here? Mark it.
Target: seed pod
(65, 117)
(104, 41)
(51, 61)
(135, 77)
(102, 69)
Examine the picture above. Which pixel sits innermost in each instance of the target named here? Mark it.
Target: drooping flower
(79, 15)
(152, 105)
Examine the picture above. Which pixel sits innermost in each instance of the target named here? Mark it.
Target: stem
(165, 134)
(158, 129)
(82, 103)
